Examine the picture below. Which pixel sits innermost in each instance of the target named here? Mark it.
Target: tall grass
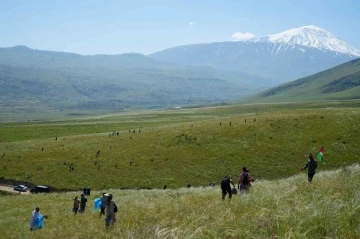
(329, 207)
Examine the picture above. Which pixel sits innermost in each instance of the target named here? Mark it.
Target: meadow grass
(178, 147)
(329, 207)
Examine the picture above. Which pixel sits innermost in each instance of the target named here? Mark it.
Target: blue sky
(145, 26)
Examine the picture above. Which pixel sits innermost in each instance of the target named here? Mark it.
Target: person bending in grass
(226, 187)
(37, 219)
(311, 165)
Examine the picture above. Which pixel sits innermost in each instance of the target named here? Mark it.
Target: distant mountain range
(339, 83)
(33, 80)
(280, 58)
(30, 79)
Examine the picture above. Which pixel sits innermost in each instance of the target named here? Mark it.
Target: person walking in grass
(76, 205)
(83, 201)
(103, 204)
(248, 172)
(244, 181)
(311, 165)
(110, 210)
(36, 221)
(226, 187)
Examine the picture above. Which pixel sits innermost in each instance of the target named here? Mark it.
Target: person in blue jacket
(37, 220)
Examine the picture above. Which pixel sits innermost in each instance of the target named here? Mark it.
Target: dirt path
(11, 190)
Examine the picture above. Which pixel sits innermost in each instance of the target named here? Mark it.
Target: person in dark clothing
(226, 187)
(244, 180)
(88, 190)
(110, 210)
(103, 204)
(83, 201)
(76, 205)
(311, 165)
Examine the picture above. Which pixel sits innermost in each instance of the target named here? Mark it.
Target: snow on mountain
(281, 57)
(311, 36)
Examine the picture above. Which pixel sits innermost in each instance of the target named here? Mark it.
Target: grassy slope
(33, 81)
(341, 82)
(25, 90)
(287, 208)
(169, 151)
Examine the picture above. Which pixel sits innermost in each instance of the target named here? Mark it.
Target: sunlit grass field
(177, 147)
(329, 207)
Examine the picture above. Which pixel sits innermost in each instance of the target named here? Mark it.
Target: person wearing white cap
(110, 210)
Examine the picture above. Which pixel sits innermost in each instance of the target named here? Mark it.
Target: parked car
(40, 189)
(20, 188)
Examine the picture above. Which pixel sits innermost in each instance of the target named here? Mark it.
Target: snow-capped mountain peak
(312, 36)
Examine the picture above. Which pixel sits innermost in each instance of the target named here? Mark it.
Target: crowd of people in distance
(109, 208)
(106, 205)
(245, 179)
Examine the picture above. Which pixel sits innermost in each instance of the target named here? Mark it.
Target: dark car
(20, 188)
(40, 189)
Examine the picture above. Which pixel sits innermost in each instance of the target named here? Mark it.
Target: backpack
(115, 208)
(245, 180)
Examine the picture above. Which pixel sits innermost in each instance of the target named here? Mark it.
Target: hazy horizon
(117, 27)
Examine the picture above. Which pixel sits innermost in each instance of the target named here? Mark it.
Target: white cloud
(243, 36)
(191, 23)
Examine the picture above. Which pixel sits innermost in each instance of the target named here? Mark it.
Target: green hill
(34, 89)
(44, 81)
(341, 82)
(177, 147)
